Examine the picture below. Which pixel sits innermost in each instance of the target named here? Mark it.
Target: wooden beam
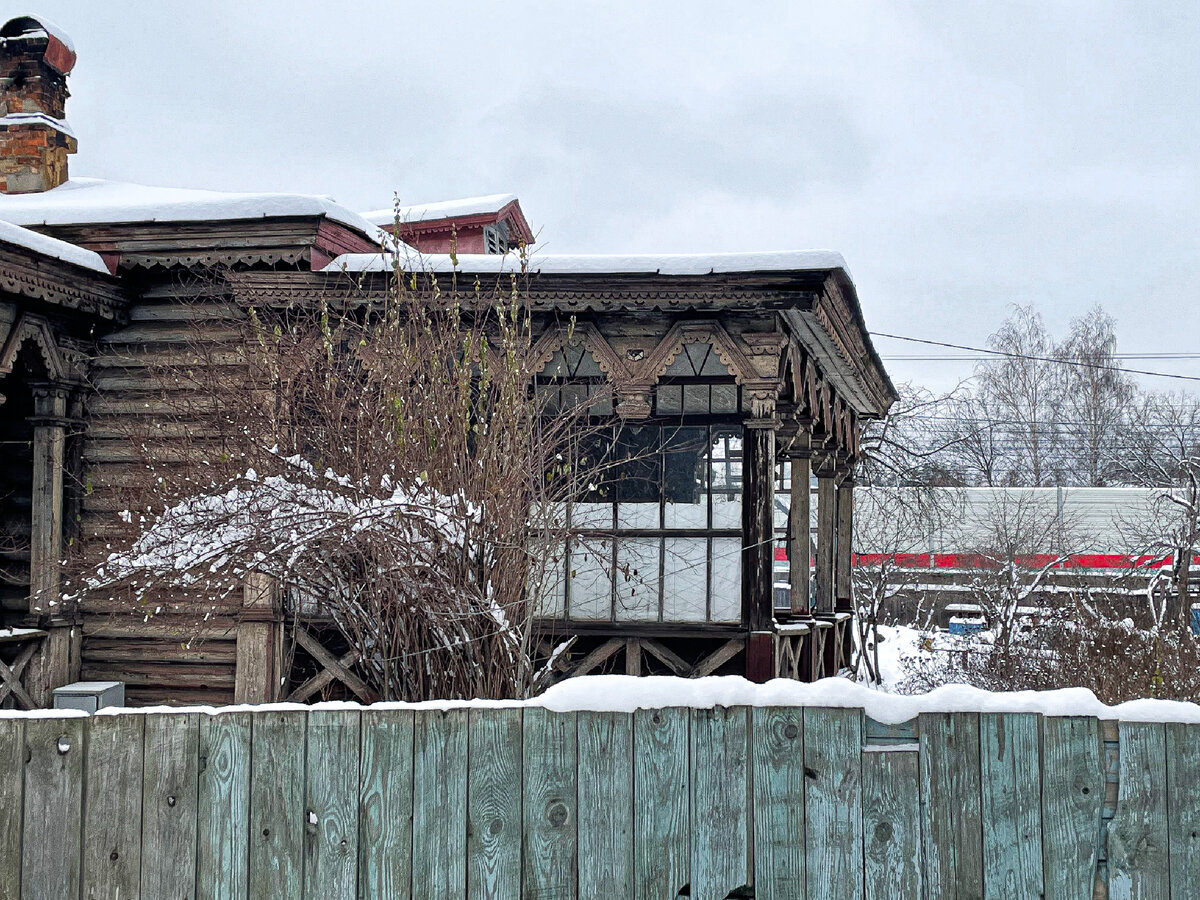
(338, 667)
(10, 677)
(259, 642)
(723, 654)
(826, 537)
(668, 658)
(322, 679)
(844, 544)
(597, 656)
(799, 536)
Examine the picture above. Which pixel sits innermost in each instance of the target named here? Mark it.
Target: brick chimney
(35, 139)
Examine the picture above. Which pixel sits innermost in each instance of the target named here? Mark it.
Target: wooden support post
(845, 544)
(51, 667)
(758, 536)
(799, 534)
(758, 526)
(826, 537)
(259, 641)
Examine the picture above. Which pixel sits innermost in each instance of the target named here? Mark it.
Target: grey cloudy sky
(962, 155)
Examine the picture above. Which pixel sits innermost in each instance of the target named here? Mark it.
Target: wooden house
(762, 360)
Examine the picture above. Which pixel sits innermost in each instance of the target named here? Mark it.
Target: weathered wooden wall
(783, 802)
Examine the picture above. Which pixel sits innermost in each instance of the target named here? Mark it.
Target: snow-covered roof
(89, 201)
(603, 264)
(48, 246)
(445, 209)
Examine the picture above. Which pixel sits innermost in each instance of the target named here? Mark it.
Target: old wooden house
(762, 360)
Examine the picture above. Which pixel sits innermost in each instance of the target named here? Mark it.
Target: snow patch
(446, 209)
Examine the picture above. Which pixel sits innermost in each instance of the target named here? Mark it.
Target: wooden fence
(784, 802)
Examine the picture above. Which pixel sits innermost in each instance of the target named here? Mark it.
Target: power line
(1049, 359)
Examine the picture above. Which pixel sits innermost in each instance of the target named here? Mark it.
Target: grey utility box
(90, 695)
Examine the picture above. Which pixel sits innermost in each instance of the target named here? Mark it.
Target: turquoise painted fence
(772, 803)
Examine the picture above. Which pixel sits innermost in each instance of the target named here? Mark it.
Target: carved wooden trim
(34, 328)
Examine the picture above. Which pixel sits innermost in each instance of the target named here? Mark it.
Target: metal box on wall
(90, 695)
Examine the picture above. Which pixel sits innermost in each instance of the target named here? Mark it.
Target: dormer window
(495, 238)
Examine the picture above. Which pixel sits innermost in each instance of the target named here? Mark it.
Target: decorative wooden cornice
(53, 281)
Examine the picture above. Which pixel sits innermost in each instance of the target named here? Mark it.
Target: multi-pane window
(659, 535)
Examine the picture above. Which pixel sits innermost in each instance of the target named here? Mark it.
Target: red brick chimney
(35, 139)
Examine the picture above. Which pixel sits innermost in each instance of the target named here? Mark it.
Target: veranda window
(659, 538)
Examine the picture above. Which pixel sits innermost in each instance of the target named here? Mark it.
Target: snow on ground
(48, 246)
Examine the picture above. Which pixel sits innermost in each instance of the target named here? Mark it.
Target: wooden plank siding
(785, 803)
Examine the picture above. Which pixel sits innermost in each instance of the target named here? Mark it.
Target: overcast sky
(963, 156)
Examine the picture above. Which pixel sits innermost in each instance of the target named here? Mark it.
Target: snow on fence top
(48, 246)
(80, 201)
(626, 693)
(446, 209)
(606, 264)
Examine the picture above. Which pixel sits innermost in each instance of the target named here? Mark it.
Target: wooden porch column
(799, 535)
(259, 641)
(758, 546)
(826, 536)
(845, 543)
(52, 666)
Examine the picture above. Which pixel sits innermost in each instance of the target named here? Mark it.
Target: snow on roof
(48, 246)
(446, 209)
(89, 201)
(603, 264)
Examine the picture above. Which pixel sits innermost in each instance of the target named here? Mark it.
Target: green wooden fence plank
(1183, 806)
(331, 805)
(550, 809)
(53, 796)
(720, 797)
(112, 807)
(661, 819)
(778, 754)
(276, 803)
(951, 827)
(385, 830)
(1072, 802)
(891, 823)
(12, 766)
(494, 804)
(223, 813)
(605, 805)
(170, 767)
(439, 804)
(833, 802)
(1138, 864)
(1011, 804)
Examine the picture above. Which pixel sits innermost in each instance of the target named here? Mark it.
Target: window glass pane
(685, 470)
(685, 577)
(726, 597)
(588, 368)
(592, 515)
(783, 502)
(573, 355)
(669, 399)
(695, 398)
(713, 365)
(681, 365)
(590, 582)
(725, 457)
(574, 397)
(547, 396)
(639, 475)
(635, 516)
(601, 397)
(556, 367)
(724, 398)
(637, 579)
(547, 581)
